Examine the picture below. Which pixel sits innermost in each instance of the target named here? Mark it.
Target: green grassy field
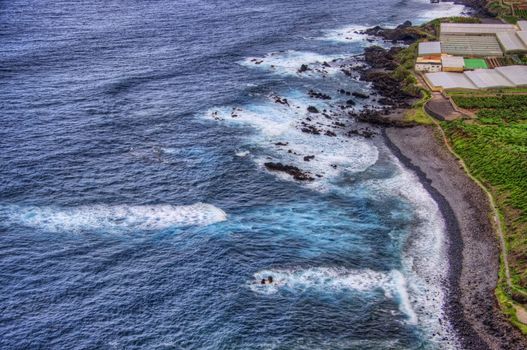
(494, 147)
(475, 63)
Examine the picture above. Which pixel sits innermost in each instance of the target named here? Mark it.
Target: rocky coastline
(473, 247)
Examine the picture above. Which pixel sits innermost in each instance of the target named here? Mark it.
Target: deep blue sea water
(135, 210)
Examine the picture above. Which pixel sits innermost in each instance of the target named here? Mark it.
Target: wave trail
(112, 218)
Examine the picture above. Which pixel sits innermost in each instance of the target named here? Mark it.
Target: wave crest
(113, 218)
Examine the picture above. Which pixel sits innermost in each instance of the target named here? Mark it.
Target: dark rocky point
(295, 172)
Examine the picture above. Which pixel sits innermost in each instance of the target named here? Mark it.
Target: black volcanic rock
(404, 32)
(377, 57)
(312, 109)
(295, 172)
(320, 95)
(360, 95)
(303, 68)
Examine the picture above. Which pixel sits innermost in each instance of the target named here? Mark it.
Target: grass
(404, 73)
(486, 92)
(494, 147)
(417, 113)
(475, 63)
(495, 102)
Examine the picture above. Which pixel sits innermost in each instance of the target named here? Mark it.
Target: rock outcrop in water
(405, 33)
(295, 172)
(312, 109)
(319, 95)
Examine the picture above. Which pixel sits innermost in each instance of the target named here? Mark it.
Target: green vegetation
(494, 147)
(404, 73)
(504, 11)
(495, 102)
(475, 63)
(521, 14)
(488, 92)
(417, 113)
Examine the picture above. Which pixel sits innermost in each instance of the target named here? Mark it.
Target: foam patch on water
(278, 131)
(352, 34)
(289, 62)
(113, 218)
(333, 280)
(439, 10)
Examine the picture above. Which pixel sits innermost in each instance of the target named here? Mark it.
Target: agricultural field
(494, 102)
(521, 14)
(494, 147)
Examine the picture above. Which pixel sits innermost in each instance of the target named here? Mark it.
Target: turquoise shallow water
(136, 212)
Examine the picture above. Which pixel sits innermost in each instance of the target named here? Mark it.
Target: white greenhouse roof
(523, 36)
(510, 42)
(516, 74)
(475, 28)
(471, 45)
(429, 48)
(453, 61)
(448, 80)
(488, 78)
(522, 25)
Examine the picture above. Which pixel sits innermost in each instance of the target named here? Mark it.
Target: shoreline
(472, 246)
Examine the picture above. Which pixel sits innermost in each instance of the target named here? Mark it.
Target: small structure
(429, 49)
(475, 39)
(467, 45)
(447, 80)
(515, 74)
(523, 36)
(453, 63)
(475, 28)
(508, 76)
(511, 42)
(428, 65)
(488, 79)
(429, 57)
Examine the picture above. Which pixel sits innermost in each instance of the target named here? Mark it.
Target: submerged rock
(320, 95)
(360, 95)
(303, 68)
(312, 109)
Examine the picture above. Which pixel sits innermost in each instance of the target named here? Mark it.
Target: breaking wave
(113, 218)
(424, 259)
(289, 63)
(331, 280)
(279, 132)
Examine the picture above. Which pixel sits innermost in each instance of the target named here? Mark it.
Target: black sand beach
(473, 247)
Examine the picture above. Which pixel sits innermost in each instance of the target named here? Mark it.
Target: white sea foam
(289, 62)
(242, 154)
(441, 9)
(425, 263)
(113, 218)
(277, 123)
(330, 280)
(351, 34)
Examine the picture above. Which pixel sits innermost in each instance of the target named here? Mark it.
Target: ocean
(136, 211)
